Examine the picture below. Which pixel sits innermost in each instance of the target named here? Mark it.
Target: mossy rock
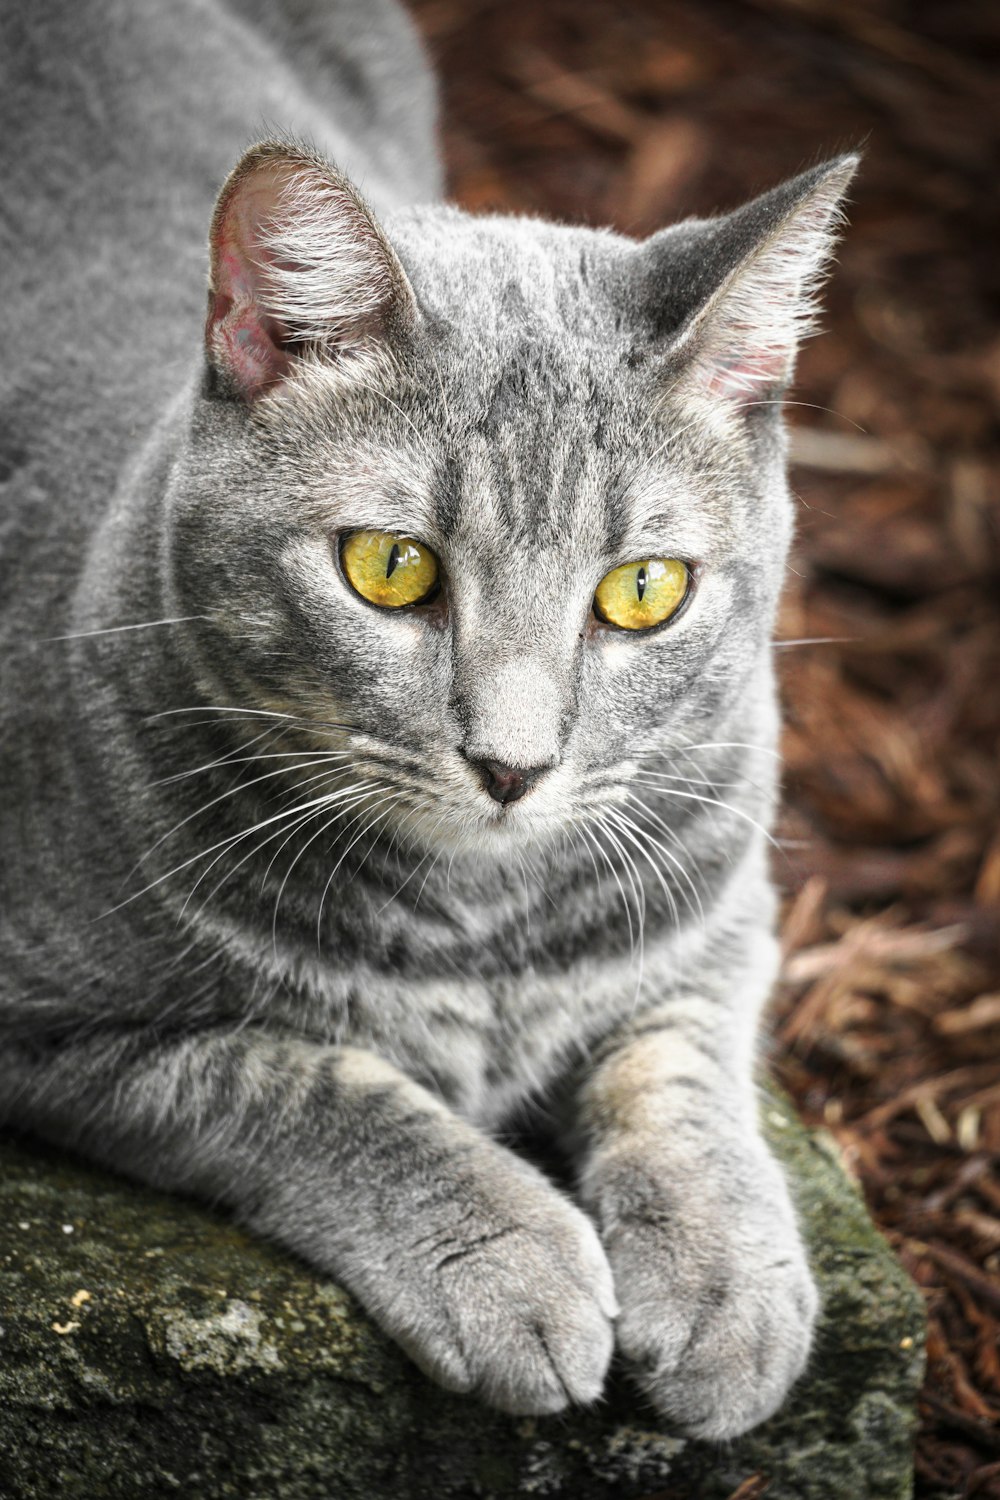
(148, 1348)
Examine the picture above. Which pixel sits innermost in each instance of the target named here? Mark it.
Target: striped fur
(265, 937)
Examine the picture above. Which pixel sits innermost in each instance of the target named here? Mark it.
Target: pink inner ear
(242, 334)
(746, 375)
(752, 333)
(245, 342)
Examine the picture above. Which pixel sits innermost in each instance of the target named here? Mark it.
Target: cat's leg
(717, 1301)
(466, 1254)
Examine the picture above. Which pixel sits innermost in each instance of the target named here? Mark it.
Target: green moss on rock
(148, 1348)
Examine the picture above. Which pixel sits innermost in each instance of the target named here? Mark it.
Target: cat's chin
(494, 832)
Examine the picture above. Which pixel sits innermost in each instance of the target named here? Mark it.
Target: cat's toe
(529, 1318)
(725, 1362)
(541, 1367)
(538, 1309)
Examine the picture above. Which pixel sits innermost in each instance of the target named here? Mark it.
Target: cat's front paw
(717, 1309)
(519, 1313)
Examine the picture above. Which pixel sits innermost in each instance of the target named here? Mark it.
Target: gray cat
(388, 717)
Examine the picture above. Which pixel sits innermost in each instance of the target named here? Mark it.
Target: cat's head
(504, 499)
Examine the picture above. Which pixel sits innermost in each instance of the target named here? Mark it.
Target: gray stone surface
(148, 1348)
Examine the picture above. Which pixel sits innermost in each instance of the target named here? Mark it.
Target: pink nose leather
(506, 783)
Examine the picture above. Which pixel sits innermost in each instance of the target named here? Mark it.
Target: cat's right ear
(300, 268)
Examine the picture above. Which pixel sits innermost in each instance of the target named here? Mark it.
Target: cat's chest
(485, 1045)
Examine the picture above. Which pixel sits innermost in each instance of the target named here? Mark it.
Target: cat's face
(530, 419)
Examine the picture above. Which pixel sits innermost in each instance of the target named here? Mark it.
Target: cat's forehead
(537, 337)
(496, 277)
(520, 336)
(533, 455)
(525, 409)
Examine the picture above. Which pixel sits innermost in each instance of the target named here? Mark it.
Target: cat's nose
(507, 783)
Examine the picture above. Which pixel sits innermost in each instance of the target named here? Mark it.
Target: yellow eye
(639, 595)
(389, 570)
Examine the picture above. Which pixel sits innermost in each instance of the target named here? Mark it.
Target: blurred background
(887, 1025)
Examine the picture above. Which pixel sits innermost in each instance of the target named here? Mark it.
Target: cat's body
(319, 1023)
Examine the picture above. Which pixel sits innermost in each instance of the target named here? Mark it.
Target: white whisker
(400, 888)
(222, 843)
(245, 760)
(83, 635)
(666, 791)
(591, 838)
(330, 878)
(815, 640)
(697, 909)
(734, 745)
(430, 871)
(691, 780)
(638, 892)
(314, 809)
(344, 799)
(225, 709)
(353, 802)
(235, 791)
(641, 841)
(297, 822)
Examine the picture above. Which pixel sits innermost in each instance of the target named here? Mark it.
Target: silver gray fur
(593, 957)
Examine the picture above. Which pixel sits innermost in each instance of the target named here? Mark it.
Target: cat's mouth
(494, 820)
(456, 803)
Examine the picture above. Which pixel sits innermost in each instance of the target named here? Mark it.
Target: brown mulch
(636, 113)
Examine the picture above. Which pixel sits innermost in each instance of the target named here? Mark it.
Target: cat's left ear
(753, 279)
(299, 265)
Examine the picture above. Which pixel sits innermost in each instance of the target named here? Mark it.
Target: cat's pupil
(390, 566)
(640, 582)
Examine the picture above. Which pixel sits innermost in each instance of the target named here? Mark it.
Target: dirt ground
(887, 1026)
